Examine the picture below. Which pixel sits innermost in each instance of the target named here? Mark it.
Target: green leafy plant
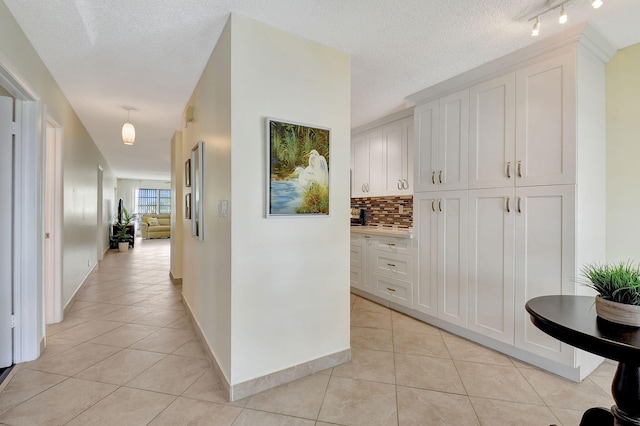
(616, 282)
(121, 227)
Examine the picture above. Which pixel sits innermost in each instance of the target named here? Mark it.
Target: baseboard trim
(69, 305)
(176, 281)
(259, 384)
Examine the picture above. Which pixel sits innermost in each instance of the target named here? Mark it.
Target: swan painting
(298, 169)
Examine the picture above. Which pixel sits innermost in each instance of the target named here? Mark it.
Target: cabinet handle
(518, 205)
(367, 237)
(433, 177)
(363, 188)
(405, 184)
(391, 244)
(509, 170)
(391, 265)
(391, 289)
(399, 184)
(440, 176)
(440, 204)
(508, 205)
(519, 169)
(433, 207)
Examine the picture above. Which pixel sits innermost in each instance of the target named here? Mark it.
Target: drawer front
(356, 240)
(356, 278)
(392, 265)
(394, 290)
(356, 256)
(392, 245)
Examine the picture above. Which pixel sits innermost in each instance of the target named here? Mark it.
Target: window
(154, 201)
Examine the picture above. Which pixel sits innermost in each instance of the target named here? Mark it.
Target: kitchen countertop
(385, 231)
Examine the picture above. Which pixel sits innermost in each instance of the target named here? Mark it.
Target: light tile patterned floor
(127, 355)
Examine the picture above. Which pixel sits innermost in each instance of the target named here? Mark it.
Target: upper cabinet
(522, 127)
(441, 158)
(382, 160)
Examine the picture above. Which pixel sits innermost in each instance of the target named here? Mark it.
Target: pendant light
(536, 28)
(563, 16)
(128, 131)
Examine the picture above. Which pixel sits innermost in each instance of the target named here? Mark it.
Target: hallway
(127, 355)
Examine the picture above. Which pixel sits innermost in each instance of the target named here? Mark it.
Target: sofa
(151, 230)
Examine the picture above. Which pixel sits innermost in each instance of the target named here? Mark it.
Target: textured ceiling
(106, 54)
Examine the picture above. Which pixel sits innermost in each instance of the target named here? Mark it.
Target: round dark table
(573, 320)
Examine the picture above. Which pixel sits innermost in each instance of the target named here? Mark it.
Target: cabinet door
(491, 262)
(545, 260)
(426, 119)
(453, 142)
(359, 166)
(546, 123)
(376, 163)
(492, 133)
(407, 155)
(425, 224)
(395, 159)
(452, 209)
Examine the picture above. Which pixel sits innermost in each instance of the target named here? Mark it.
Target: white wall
(206, 272)
(269, 294)
(290, 287)
(81, 158)
(177, 205)
(623, 155)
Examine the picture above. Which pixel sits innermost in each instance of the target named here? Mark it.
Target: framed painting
(187, 173)
(197, 211)
(297, 169)
(187, 206)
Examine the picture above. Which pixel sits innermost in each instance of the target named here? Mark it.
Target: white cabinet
(441, 225)
(545, 260)
(522, 128)
(398, 150)
(383, 266)
(381, 160)
(367, 155)
(359, 262)
(442, 129)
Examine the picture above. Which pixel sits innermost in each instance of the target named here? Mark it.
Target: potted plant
(618, 287)
(122, 237)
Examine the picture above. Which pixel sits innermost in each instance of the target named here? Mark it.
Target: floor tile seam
(92, 405)
(33, 396)
(471, 398)
(544, 401)
(164, 409)
(81, 371)
(262, 410)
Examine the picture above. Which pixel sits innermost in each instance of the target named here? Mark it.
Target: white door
(394, 160)
(452, 209)
(6, 230)
(545, 260)
(407, 154)
(360, 166)
(492, 133)
(426, 146)
(425, 298)
(453, 142)
(546, 123)
(491, 268)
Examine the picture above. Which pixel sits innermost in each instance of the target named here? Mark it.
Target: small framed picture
(187, 206)
(187, 173)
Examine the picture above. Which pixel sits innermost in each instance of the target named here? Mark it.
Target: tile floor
(126, 355)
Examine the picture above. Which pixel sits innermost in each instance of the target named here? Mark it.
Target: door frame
(28, 289)
(53, 202)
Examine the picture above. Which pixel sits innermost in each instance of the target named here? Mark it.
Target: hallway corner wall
(177, 206)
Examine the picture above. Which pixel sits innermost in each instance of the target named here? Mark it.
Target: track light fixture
(536, 28)
(557, 4)
(563, 16)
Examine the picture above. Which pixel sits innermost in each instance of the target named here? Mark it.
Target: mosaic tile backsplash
(385, 211)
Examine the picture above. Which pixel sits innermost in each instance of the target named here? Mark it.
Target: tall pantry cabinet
(528, 209)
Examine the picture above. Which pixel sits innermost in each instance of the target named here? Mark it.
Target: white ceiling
(106, 54)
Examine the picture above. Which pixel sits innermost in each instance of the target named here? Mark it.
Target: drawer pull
(391, 289)
(391, 244)
(391, 265)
